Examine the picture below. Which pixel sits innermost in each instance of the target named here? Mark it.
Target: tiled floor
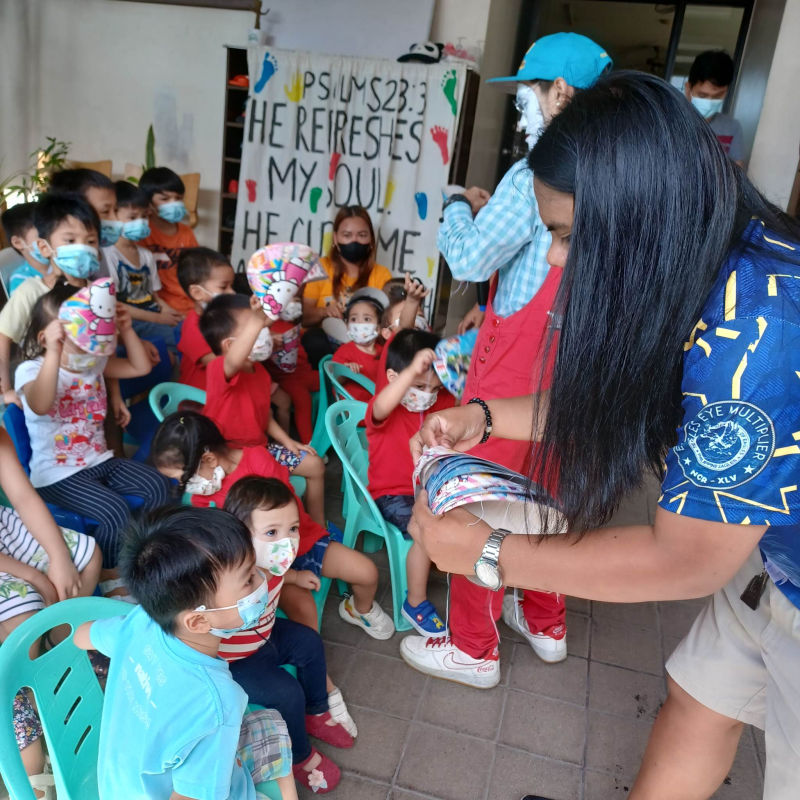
(570, 731)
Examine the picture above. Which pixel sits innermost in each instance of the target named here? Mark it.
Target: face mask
(706, 107)
(250, 608)
(174, 211)
(354, 252)
(262, 349)
(110, 230)
(81, 362)
(531, 119)
(136, 229)
(197, 484)
(291, 311)
(36, 255)
(415, 400)
(277, 556)
(362, 332)
(78, 260)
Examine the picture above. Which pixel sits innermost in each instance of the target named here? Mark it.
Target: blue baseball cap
(575, 58)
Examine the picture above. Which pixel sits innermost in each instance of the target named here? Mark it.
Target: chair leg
(398, 551)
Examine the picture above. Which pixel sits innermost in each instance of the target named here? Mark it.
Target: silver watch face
(488, 574)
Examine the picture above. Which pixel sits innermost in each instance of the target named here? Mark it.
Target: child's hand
(64, 578)
(121, 411)
(415, 289)
(124, 321)
(258, 312)
(169, 316)
(44, 586)
(353, 366)
(10, 397)
(277, 341)
(422, 362)
(306, 579)
(152, 351)
(54, 335)
(299, 447)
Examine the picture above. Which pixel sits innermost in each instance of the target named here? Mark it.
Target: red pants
(299, 385)
(474, 612)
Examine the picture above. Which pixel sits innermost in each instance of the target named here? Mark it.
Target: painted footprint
(268, 69)
(421, 200)
(313, 199)
(387, 199)
(439, 135)
(333, 164)
(251, 190)
(294, 89)
(431, 265)
(449, 85)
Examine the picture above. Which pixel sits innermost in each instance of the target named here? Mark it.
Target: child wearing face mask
(394, 415)
(362, 353)
(64, 400)
(20, 231)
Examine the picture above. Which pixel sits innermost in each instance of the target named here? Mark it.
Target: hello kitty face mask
(89, 318)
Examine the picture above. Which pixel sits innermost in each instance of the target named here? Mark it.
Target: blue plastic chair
(338, 373)
(342, 420)
(165, 398)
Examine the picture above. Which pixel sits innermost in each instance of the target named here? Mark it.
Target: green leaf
(150, 149)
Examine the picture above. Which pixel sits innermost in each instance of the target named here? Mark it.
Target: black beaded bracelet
(488, 414)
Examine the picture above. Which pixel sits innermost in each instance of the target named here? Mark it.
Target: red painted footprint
(439, 135)
(251, 190)
(334, 163)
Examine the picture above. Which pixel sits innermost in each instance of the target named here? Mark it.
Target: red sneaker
(317, 726)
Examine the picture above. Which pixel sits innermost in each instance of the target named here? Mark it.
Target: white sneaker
(550, 649)
(339, 713)
(438, 656)
(376, 622)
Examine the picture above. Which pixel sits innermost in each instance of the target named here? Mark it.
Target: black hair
(256, 491)
(52, 209)
(395, 290)
(195, 265)
(405, 345)
(78, 181)
(651, 230)
(172, 558)
(130, 196)
(44, 311)
(160, 179)
(181, 440)
(712, 65)
(218, 321)
(18, 220)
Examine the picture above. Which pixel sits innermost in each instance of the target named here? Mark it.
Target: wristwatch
(487, 568)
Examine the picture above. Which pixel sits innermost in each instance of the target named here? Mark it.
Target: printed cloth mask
(291, 311)
(276, 556)
(250, 607)
(415, 400)
(79, 260)
(110, 231)
(174, 211)
(707, 107)
(81, 362)
(262, 349)
(531, 119)
(362, 332)
(136, 229)
(36, 255)
(355, 252)
(197, 484)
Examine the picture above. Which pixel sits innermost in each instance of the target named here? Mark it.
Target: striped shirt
(245, 643)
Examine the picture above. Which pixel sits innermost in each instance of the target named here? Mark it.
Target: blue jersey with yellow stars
(738, 454)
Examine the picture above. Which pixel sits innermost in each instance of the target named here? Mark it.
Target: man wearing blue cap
(503, 238)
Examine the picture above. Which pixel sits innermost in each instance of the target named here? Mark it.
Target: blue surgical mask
(110, 230)
(136, 229)
(79, 260)
(36, 254)
(174, 211)
(707, 107)
(250, 607)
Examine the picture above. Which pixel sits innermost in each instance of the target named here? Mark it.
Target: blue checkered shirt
(506, 236)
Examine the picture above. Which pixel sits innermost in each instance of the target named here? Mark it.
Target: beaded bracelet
(488, 414)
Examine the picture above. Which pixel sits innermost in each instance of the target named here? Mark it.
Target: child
(64, 400)
(405, 298)
(168, 235)
(21, 234)
(238, 390)
(190, 448)
(169, 700)
(270, 510)
(67, 236)
(203, 274)
(133, 269)
(362, 315)
(394, 415)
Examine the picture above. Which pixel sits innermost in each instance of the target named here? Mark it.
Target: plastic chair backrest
(14, 422)
(337, 373)
(166, 397)
(319, 439)
(10, 260)
(68, 697)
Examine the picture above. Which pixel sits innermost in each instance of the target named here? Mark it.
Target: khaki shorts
(745, 664)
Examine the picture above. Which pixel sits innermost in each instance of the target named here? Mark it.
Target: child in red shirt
(394, 415)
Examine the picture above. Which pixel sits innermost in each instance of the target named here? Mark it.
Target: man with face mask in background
(501, 237)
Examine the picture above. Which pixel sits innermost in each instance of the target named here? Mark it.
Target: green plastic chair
(338, 373)
(320, 440)
(342, 420)
(165, 398)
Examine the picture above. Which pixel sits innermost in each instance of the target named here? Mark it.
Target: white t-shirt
(136, 286)
(70, 436)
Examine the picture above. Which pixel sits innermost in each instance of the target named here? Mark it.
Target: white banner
(322, 132)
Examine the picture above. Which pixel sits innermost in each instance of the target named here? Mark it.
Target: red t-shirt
(167, 249)
(391, 467)
(349, 353)
(258, 461)
(245, 643)
(240, 407)
(193, 347)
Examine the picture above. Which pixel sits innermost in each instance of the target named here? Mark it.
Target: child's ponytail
(181, 440)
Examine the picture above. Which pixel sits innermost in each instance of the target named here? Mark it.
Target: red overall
(506, 362)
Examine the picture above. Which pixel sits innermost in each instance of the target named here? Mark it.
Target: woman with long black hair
(679, 353)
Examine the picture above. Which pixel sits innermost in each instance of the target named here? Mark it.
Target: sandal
(317, 726)
(322, 779)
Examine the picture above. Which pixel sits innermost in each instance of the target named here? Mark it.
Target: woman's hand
(64, 578)
(333, 309)
(453, 542)
(457, 428)
(306, 579)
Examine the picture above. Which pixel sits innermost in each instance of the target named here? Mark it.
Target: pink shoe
(322, 779)
(317, 726)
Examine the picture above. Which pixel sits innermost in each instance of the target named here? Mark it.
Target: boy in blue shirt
(21, 234)
(169, 697)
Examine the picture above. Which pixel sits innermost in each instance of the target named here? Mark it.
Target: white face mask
(363, 332)
(262, 349)
(291, 311)
(277, 555)
(211, 296)
(415, 400)
(531, 119)
(197, 484)
(81, 362)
